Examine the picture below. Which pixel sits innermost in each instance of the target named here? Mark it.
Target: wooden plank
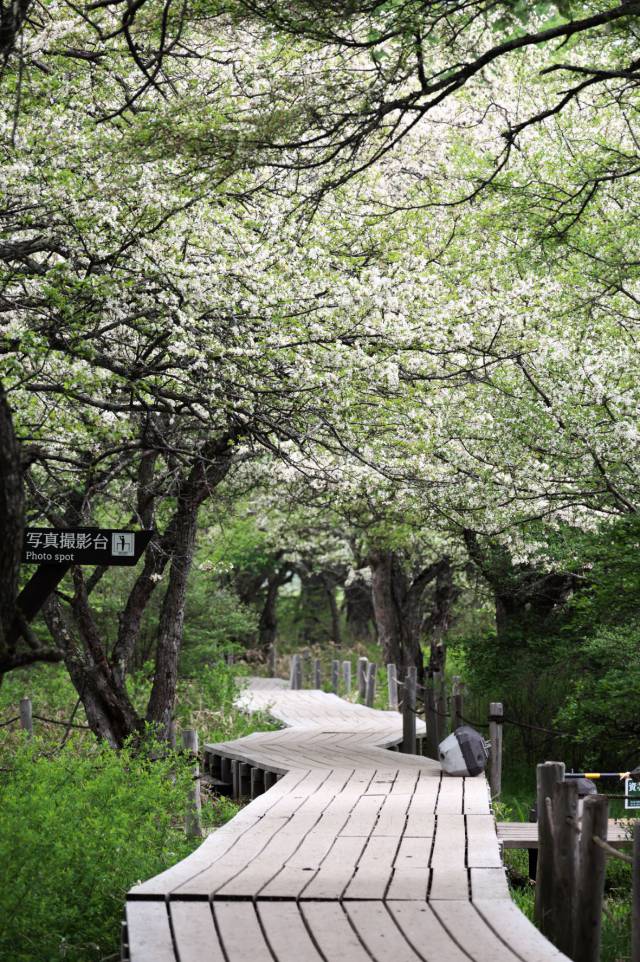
(482, 842)
(450, 796)
(377, 931)
(286, 933)
(364, 816)
(195, 932)
(337, 869)
(476, 796)
(472, 932)
(489, 883)
(148, 932)
(332, 932)
(240, 932)
(524, 938)
(424, 931)
(374, 869)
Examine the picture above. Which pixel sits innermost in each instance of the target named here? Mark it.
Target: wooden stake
(430, 720)
(335, 675)
(392, 685)
(317, 674)
(346, 676)
(592, 869)
(565, 838)
(440, 707)
(547, 775)
(362, 677)
(409, 712)
(496, 713)
(26, 716)
(295, 675)
(370, 695)
(192, 823)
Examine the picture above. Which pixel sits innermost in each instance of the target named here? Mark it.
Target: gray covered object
(464, 752)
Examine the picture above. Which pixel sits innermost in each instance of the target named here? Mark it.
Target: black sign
(83, 546)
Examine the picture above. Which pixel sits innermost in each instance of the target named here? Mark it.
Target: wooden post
(273, 659)
(409, 712)
(26, 716)
(335, 675)
(495, 760)
(362, 677)
(533, 852)
(370, 695)
(346, 676)
(295, 676)
(440, 708)
(270, 778)
(635, 896)
(317, 674)
(430, 719)
(257, 782)
(226, 774)
(392, 685)
(456, 703)
(547, 775)
(299, 673)
(565, 839)
(192, 824)
(244, 780)
(592, 869)
(305, 667)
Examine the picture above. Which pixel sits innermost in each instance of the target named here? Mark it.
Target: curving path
(348, 852)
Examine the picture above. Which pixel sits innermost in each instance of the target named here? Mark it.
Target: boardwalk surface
(349, 852)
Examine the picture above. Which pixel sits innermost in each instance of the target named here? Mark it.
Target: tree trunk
(170, 628)
(399, 604)
(358, 603)
(11, 519)
(268, 623)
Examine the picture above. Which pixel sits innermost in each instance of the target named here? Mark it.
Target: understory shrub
(78, 829)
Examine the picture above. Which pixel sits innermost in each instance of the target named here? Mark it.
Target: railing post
(26, 716)
(456, 703)
(362, 677)
(392, 685)
(635, 896)
(565, 841)
(547, 775)
(346, 676)
(592, 871)
(496, 714)
(293, 671)
(193, 825)
(430, 718)
(317, 674)
(370, 694)
(273, 659)
(299, 672)
(533, 852)
(335, 675)
(440, 707)
(409, 712)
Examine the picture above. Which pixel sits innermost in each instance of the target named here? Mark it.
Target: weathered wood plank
(148, 932)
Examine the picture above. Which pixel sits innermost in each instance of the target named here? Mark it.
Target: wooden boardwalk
(348, 852)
